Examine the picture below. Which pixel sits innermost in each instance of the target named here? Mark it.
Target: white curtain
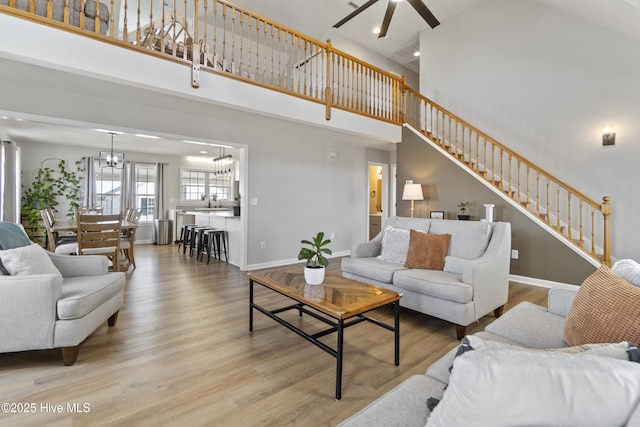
(9, 182)
(128, 186)
(159, 207)
(89, 193)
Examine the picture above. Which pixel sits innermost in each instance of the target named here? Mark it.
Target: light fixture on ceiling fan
(111, 159)
(418, 5)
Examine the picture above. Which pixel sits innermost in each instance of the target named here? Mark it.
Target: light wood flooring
(181, 354)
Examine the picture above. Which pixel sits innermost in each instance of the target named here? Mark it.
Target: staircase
(569, 215)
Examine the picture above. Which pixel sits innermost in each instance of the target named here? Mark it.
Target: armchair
(45, 311)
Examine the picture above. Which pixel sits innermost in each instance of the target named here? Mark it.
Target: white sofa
(473, 282)
(533, 327)
(57, 309)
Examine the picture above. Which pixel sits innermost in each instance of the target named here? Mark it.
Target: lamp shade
(412, 192)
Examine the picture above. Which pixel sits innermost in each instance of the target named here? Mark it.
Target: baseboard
(291, 261)
(540, 282)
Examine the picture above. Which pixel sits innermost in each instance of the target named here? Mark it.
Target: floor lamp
(412, 192)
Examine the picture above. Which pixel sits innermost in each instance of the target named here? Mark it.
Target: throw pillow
(395, 244)
(605, 309)
(11, 236)
(628, 269)
(427, 251)
(28, 260)
(495, 387)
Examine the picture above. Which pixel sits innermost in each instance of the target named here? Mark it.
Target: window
(201, 185)
(108, 185)
(145, 190)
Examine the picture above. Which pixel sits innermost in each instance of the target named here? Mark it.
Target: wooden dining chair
(55, 242)
(100, 235)
(129, 236)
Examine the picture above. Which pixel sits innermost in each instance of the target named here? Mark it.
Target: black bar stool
(217, 243)
(184, 237)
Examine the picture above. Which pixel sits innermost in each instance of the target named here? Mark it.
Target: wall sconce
(412, 192)
(608, 136)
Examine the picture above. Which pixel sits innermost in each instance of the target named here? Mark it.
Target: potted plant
(236, 206)
(316, 261)
(463, 207)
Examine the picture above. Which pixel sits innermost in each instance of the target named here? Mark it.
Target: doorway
(378, 197)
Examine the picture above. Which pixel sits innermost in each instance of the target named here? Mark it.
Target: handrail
(231, 41)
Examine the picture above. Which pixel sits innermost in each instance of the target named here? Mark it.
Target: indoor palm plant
(316, 262)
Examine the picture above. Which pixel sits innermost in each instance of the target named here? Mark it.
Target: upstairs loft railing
(240, 44)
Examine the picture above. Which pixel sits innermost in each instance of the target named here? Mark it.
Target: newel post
(606, 215)
(328, 96)
(403, 100)
(195, 52)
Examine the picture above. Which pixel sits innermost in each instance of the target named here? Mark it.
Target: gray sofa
(75, 7)
(58, 308)
(473, 282)
(526, 325)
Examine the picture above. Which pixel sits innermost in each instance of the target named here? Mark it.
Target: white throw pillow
(495, 388)
(395, 245)
(628, 269)
(28, 260)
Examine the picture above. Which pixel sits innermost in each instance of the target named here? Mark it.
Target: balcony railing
(219, 37)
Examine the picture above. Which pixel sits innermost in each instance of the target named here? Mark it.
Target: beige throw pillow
(604, 310)
(427, 251)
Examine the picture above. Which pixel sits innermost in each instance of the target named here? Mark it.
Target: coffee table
(339, 302)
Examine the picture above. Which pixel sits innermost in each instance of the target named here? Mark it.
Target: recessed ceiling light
(396, 1)
(141, 135)
(204, 152)
(109, 131)
(416, 53)
(376, 30)
(194, 142)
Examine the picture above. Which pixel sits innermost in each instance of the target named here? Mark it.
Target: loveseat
(49, 300)
(471, 277)
(503, 377)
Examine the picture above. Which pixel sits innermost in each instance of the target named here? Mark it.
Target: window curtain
(89, 193)
(9, 182)
(128, 186)
(159, 207)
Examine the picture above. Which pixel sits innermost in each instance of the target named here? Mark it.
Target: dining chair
(100, 235)
(129, 236)
(55, 242)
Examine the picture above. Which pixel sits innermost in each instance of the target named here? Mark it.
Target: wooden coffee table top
(338, 297)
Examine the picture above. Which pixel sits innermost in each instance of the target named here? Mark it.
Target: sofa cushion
(628, 269)
(469, 239)
(372, 268)
(604, 310)
(496, 387)
(530, 325)
(427, 250)
(395, 244)
(27, 261)
(81, 295)
(434, 283)
(11, 236)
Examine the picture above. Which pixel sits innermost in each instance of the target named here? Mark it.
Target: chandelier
(222, 165)
(111, 159)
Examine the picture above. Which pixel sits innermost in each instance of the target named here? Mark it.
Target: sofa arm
(366, 250)
(76, 266)
(560, 299)
(489, 274)
(28, 306)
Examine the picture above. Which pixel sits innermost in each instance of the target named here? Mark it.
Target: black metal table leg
(250, 305)
(339, 361)
(396, 313)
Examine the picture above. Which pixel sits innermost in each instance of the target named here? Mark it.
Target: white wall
(544, 83)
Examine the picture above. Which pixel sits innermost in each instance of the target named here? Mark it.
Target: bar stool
(217, 243)
(195, 245)
(189, 237)
(184, 236)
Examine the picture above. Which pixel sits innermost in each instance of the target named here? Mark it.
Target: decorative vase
(236, 211)
(314, 275)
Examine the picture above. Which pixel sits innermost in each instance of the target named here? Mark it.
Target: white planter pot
(314, 276)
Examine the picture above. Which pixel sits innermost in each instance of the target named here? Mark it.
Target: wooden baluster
(273, 42)
(501, 169)
(581, 225)
(510, 176)
(125, 30)
(241, 53)
(558, 208)
(538, 193)
(569, 215)
(493, 169)
(264, 59)
(232, 63)
(257, 49)
(518, 192)
(477, 156)
(162, 33)
(547, 200)
(485, 171)
(215, 33)
(606, 214)
(593, 232)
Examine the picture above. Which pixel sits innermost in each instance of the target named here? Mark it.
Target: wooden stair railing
(241, 44)
(580, 221)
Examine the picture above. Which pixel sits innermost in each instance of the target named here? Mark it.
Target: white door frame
(385, 194)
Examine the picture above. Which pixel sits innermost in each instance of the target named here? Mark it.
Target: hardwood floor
(181, 354)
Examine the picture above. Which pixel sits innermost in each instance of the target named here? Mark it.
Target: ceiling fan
(418, 5)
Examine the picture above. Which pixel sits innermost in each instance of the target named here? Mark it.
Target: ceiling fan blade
(391, 7)
(424, 11)
(355, 13)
